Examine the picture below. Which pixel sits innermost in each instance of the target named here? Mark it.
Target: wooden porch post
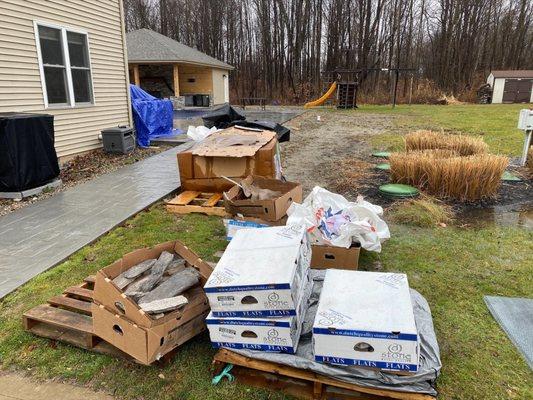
(176, 81)
(136, 76)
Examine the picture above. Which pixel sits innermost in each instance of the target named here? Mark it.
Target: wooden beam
(176, 80)
(136, 76)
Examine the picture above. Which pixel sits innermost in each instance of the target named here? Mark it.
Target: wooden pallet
(68, 318)
(301, 383)
(191, 201)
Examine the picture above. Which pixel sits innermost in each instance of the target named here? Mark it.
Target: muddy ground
(317, 149)
(335, 153)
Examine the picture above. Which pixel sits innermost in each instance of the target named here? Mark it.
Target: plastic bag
(199, 133)
(331, 219)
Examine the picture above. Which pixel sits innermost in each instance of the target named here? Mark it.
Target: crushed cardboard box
(202, 167)
(270, 209)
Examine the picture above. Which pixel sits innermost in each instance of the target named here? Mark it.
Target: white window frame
(68, 69)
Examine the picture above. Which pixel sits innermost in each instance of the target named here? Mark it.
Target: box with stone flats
(152, 286)
(260, 274)
(280, 335)
(366, 319)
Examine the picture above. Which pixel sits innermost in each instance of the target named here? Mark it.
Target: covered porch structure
(166, 68)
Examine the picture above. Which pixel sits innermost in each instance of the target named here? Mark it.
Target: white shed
(515, 86)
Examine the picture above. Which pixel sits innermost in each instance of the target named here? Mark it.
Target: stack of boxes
(259, 289)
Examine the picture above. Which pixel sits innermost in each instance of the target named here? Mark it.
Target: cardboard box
(109, 295)
(269, 210)
(324, 257)
(264, 334)
(366, 319)
(146, 345)
(202, 167)
(260, 274)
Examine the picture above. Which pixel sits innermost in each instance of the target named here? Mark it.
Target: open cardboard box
(202, 167)
(146, 345)
(106, 293)
(269, 210)
(324, 257)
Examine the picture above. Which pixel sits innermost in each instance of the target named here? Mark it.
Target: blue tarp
(152, 116)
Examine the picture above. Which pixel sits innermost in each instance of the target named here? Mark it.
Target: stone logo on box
(273, 338)
(394, 354)
(273, 301)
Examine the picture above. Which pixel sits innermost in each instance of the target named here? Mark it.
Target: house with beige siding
(67, 59)
(166, 68)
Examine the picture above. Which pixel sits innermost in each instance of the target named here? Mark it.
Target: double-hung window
(65, 66)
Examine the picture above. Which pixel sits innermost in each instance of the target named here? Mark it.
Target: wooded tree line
(280, 47)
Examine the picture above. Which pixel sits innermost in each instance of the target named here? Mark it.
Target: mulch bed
(367, 183)
(83, 168)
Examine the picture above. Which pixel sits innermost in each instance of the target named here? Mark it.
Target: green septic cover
(382, 154)
(384, 167)
(398, 190)
(507, 176)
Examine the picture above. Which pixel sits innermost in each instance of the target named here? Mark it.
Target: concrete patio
(40, 236)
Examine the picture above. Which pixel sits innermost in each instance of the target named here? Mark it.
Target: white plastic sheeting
(331, 219)
(199, 133)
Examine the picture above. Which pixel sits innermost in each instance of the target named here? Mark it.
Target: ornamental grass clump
(448, 175)
(430, 140)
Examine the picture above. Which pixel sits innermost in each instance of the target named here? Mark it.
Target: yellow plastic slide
(325, 96)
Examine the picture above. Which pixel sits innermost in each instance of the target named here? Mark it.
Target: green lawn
(495, 122)
(452, 267)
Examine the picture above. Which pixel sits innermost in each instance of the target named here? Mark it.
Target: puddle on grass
(521, 216)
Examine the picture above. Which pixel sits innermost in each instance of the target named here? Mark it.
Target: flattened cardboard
(324, 257)
(146, 345)
(227, 143)
(366, 319)
(204, 173)
(109, 295)
(268, 210)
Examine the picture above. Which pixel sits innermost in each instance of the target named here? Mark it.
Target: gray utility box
(119, 140)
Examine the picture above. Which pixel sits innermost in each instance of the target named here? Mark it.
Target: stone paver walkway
(16, 387)
(35, 238)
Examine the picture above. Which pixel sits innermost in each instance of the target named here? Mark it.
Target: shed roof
(517, 73)
(145, 45)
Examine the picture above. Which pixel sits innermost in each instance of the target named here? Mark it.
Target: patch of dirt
(318, 149)
(335, 153)
(84, 168)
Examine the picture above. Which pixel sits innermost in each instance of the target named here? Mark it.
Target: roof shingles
(518, 73)
(145, 45)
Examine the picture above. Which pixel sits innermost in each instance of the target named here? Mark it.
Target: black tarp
(222, 117)
(28, 158)
(226, 116)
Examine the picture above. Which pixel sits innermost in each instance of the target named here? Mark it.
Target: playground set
(340, 86)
